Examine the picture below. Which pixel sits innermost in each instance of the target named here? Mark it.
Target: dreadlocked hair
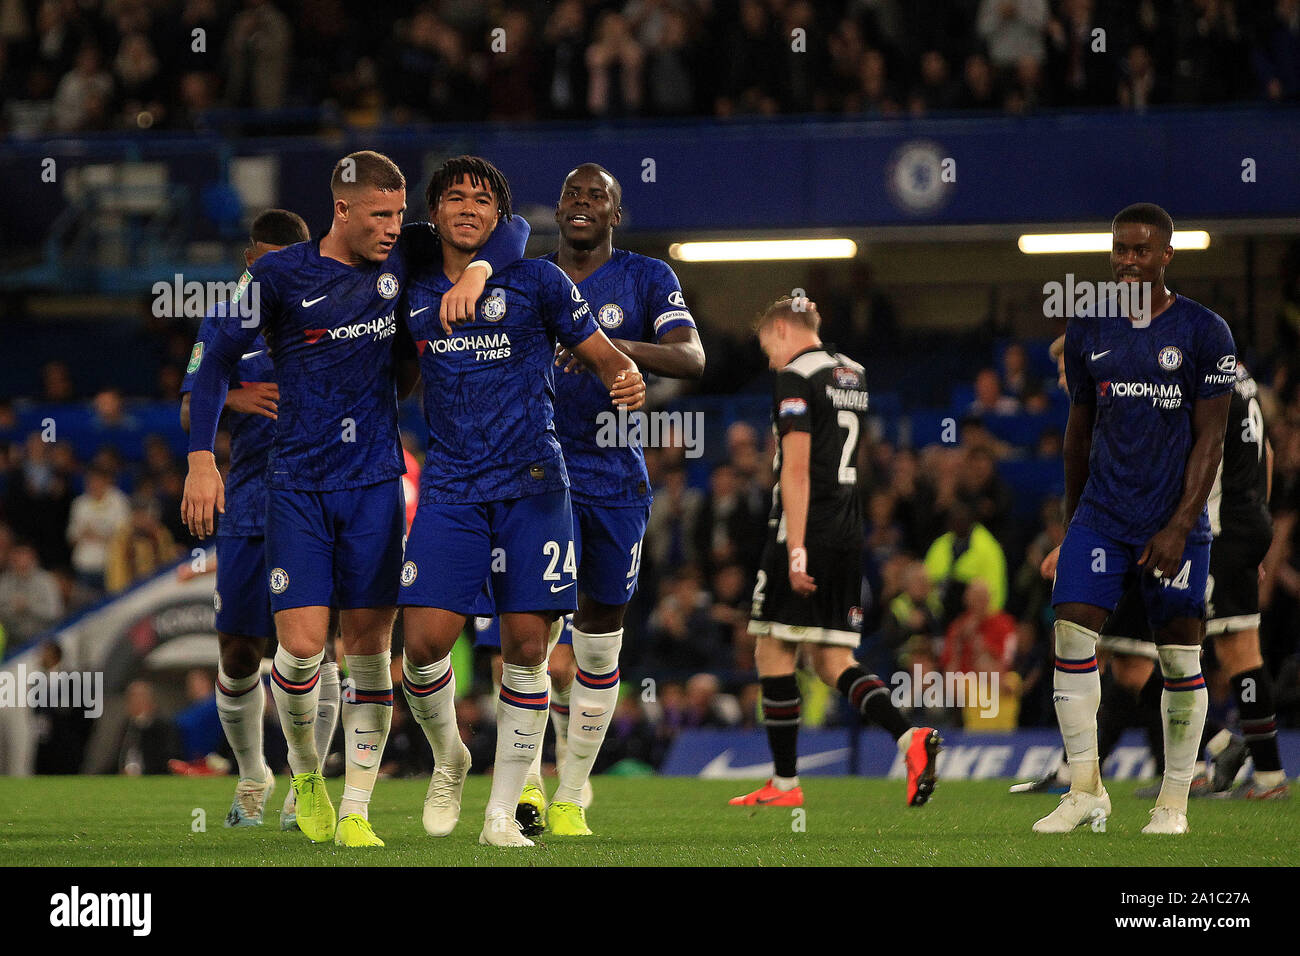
(479, 172)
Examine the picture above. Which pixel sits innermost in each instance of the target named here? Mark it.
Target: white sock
(1218, 743)
(295, 685)
(560, 721)
(785, 784)
(241, 704)
(534, 778)
(593, 695)
(521, 724)
(431, 694)
(903, 742)
(327, 708)
(1183, 704)
(367, 715)
(1076, 690)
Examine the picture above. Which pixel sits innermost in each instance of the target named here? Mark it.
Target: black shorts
(830, 615)
(1231, 597)
(1127, 631)
(1232, 592)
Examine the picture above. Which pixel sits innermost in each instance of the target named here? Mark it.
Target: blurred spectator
(671, 68)
(936, 90)
(515, 74)
(989, 399)
(56, 383)
(38, 499)
(199, 723)
(97, 516)
(914, 613)
(746, 81)
(1276, 57)
(980, 91)
(1012, 29)
(82, 99)
(1081, 73)
(669, 539)
(30, 601)
(730, 527)
(982, 486)
(982, 641)
(965, 552)
(138, 549)
(258, 56)
(614, 64)
(1139, 85)
(149, 740)
(61, 732)
(680, 640)
(565, 55)
(980, 638)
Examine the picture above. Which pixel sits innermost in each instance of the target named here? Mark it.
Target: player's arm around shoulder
(569, 319)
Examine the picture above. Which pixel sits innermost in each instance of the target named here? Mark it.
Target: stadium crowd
(951, 559)
(69, 66)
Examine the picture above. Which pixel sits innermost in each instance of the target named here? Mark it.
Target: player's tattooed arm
(616, 370)
(1164, 552)
(796, 491)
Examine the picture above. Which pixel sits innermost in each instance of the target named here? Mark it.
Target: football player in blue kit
(334, 520)
(494, 491)
(639, 305)
(242, 600)
(1149, 405)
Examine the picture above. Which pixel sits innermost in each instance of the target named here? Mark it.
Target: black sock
(1114, 715)
(1254, 693)
(868, 695)
(781, 718)
(1150, 715)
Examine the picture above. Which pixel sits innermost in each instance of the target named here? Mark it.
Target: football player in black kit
(810, 578)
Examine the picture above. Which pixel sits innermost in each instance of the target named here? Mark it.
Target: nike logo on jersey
(415, 312)
(555, 590)
(308, 305)
(1097, 355)
(249, 355)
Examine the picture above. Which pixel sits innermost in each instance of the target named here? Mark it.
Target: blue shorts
(1092, 568)
(338, 549)
(608, 543)
(487, 631)
(521, 549)
(242, 599)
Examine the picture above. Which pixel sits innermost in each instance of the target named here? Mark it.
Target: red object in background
(971, 645)
(411, 487)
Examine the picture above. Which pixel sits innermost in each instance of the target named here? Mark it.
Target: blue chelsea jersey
(489, 386)
(1145, 382)
(633, 297)
(251, 436)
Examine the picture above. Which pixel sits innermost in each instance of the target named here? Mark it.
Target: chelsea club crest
(387, 285)
(610, 316)
(1170, 358)
(494, 307)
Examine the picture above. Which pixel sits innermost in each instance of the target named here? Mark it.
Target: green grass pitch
(119, 821)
